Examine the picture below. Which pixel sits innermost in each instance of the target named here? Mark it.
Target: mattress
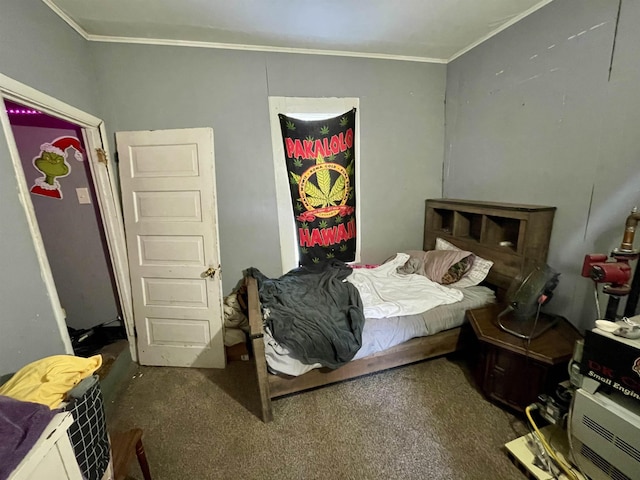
(380, 334)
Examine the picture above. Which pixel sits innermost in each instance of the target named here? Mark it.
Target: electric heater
(606, 436)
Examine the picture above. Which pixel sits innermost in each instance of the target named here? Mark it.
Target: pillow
(457, 270)
(443, 267)
(476, 274)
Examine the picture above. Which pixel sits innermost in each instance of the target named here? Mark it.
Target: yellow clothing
(49, 379)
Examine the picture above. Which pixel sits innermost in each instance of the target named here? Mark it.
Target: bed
(446, 337)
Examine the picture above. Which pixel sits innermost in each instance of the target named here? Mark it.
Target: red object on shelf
(589, 260)
(595, 266)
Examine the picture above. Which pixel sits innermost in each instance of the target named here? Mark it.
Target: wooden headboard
(514, 237)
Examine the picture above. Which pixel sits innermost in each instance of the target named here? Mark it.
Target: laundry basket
(88, 433)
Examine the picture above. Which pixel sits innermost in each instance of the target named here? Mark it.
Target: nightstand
(512, 371)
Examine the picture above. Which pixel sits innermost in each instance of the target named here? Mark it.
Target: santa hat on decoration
(59, 146)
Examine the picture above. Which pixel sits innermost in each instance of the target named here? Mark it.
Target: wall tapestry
(320, 159)
(52, 163)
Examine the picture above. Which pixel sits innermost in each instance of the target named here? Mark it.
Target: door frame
(103, 179)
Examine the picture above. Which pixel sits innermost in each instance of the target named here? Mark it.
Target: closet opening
(61, 188)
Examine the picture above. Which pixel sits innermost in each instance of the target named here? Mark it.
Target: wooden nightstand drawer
(513, 380)
(512, 371)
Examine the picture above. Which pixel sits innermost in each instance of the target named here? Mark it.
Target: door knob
(209, 272)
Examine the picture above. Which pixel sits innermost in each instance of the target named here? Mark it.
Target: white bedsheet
(380, 334)
(387, 293)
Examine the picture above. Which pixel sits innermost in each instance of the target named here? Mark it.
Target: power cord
(595, 294)
(535, 324)
(572, 454)
(527, 341)
(563, 466)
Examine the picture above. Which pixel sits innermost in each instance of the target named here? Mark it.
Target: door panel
(167, 207)
(177, 332)
(159, 160)
(168, 191)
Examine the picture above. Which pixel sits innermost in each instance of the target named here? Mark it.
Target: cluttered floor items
(89, 341)
(38, 392)
(529, 455)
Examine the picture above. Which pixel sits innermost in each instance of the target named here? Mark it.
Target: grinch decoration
(52, 162)
(320, 158)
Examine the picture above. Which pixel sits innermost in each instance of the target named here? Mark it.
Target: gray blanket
(313, 312)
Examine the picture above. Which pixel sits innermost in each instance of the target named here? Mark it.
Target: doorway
(98, 189)
(56, 168)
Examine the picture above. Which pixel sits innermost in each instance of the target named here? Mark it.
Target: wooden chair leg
(142, 460)
(124, 445)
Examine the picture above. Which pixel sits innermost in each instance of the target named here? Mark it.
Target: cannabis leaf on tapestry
(319, 156)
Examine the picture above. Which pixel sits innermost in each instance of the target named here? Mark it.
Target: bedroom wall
(40, 50)
(547, 112)
(402, 132)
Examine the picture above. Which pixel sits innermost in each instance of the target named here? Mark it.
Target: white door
(168, 192)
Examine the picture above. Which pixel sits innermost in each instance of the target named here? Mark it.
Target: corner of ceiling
(58, 11)
(502, 27)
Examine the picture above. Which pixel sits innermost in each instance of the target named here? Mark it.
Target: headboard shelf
(514, 236)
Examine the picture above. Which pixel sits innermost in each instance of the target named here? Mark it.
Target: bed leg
(263, 379)
(257, 342)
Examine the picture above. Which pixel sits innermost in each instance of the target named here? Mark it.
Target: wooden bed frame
(468, 225)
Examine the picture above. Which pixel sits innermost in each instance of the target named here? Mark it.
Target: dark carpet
(424, 421)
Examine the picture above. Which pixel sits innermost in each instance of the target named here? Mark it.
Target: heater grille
(611, 437)
(599, 429)
(628, 449)
(611, 471)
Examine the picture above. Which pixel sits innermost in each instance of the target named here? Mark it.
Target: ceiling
(417, 30)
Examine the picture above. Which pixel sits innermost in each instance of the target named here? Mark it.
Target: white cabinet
(52, 456)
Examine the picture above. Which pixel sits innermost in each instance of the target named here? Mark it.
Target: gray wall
(533, 117)
(136, 87)
(402, 132)
(38, 49)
